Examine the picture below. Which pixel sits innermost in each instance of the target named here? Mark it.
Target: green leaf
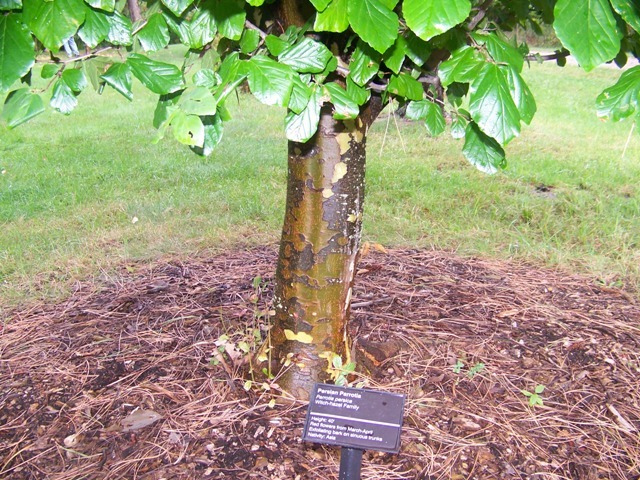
(430, 113)
(463, 66)
(520, 93)
(302, 126)
(63, 99)
(394, 57)
(188, 129)
(16, 50)
(106, 5)
(21, 106)
(308, 56)
(404, 85)
(255, 3)
(75, 79)
(230, 17)
(154, 35)
(418, 51)
(629, 10)
(159, 77)
(177, 6)
(622, 99)
(434, 17)
(482, 151)
(95, 28)
(213, 130)
(456, 93)
(435, 122)
(588, 29)
(120, 29)
(344, 107)
(231, 76)
(360, 94)
(53, 21)
(300, 94)
(10, 5)
(334, 18)
(93, 68)
(491, 105)
(201, 29)
(276, 45)
(337, 362)
(50, 69)
(374, 22)
(249, 41)
(166, 108)
(269, 81)
(180, 27)
(500, 50)
(206, 78)
(458, 127)
(118, 76)
(198, 101)
(320, 4)
(364, 64)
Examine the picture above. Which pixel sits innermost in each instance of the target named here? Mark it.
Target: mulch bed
(158, 340)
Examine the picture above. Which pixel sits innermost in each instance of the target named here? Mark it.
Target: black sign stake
(350, 463)
(355, 419)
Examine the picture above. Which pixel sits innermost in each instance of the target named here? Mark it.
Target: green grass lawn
(80, 195)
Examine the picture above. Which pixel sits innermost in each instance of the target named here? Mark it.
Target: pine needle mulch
(166, 341)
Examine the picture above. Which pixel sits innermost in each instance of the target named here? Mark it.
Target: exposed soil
(131, 377)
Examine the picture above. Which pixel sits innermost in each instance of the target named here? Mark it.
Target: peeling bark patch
(306, 258)
(344, 141)
(296, 192)
(301, 337)
(339, 171)
(335, 214)
(306, 281)
(327, 193)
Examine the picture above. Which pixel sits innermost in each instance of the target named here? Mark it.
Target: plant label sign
(354, 418)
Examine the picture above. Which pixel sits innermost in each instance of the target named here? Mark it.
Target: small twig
(482, 12)
(370, 302)
(626, 425)
(536, 57)
(251, 26)
(626, 145)
(386, 130)
(395, 120)
(86, 56)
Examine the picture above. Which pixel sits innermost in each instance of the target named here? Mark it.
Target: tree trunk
(134, 10)
(318, 252)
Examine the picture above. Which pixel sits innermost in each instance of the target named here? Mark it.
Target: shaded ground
(74, 377)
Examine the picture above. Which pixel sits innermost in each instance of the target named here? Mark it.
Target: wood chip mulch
(140, 375)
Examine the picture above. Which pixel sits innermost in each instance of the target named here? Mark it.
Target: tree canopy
(447, 60)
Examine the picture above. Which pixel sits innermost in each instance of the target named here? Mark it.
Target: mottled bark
(134, 10)
(319, 249)
(293, 12)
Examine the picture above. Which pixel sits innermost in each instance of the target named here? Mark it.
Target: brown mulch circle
(165, 342)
